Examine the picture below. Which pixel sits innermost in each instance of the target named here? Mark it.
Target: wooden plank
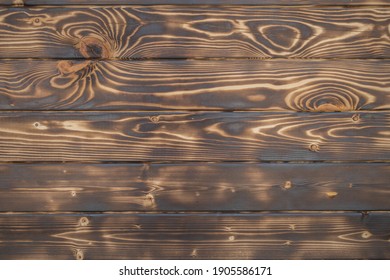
(195, 236)
(182, 32)
(215, 136)
(194, 2)
(298, 85)
(194, 187)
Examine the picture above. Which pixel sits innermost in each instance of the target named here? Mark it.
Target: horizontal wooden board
(195, 236)
(194, 187)
(182, 32)
(194, 2)
(298, 85)
(212, 136)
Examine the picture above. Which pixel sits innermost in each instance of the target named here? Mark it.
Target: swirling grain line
(298, 85)
(238, 136)
(179, 31)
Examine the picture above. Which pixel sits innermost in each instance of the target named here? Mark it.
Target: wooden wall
(195, 129)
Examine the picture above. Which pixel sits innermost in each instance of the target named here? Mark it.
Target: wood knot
(92, 47)
(194, 253)
(231, 238)
(39, 126)
(84, 221)
(149, 201)
(79, 254)
(314, 147)
(365, 214)
(36, 22)
(149, 196)
(331, 194)
(366, 234)
(287, 185)
(356, 117)
(154, 119)
(73, 193)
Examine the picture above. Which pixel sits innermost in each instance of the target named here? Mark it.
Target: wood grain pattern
(195, 129)
(298, 85)
(195, 236)
(194, 2)
(194, 187)
(183, 32)
(238, 136)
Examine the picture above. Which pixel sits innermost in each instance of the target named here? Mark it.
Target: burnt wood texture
(194, 32)
(272, 85)
(211, 136)
(194, 187)
(195, 2)
(195, 236)
(199, 129)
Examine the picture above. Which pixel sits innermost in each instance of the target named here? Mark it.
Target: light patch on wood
(18, 3)
(76, 125)
(256, 97)
(332, 194)
(287, 185)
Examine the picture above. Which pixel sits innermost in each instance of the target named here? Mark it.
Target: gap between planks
(197, 162)
(364, 213)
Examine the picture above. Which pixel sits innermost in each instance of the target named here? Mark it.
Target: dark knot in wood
(92, 47)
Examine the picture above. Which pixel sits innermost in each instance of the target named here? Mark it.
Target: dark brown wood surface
(194, 187)
(195, 129)
(195, 236)
(195, 2)
(297, 85)
(212, 136)
(194, 32)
